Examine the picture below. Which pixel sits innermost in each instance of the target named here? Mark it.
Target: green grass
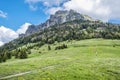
(94, 59)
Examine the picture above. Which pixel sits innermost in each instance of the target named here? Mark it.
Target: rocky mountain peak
(59, 17)
(62, 16)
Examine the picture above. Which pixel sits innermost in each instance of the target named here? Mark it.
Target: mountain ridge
(59, 17)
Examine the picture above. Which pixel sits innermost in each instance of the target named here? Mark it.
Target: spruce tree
(49, 48)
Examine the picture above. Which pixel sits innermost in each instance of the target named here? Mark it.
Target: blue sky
(17, 15)
(18, 12)
(115, 21)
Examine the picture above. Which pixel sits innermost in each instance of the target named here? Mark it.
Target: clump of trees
(22, 53)
(5, 55)
(63, 46)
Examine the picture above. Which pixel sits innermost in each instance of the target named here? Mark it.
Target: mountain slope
(73, 30)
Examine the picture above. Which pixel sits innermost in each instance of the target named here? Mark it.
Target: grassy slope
(94, 59)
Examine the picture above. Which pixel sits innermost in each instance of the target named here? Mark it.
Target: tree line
(21, 53)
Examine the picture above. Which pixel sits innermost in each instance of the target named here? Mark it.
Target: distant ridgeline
(64, 25)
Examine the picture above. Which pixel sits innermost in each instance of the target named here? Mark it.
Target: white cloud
(114, 7)
(32, 4)
(99, 9)
(93, 8)
(46, 3)
(53, 10)
(3, 14)
(32, 1)
(1, 43)
(23, 28)
(6, 35)
(51, 3)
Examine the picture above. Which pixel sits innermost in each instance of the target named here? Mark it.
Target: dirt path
(23, 73)
(36, 70)
(15, 75)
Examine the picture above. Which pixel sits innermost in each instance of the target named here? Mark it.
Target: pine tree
(1, 58)
(9, 55)
(49, 48)
(16, 54)
(23, 54)
(4, 57)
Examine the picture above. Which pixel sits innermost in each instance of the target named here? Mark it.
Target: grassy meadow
(92, 59)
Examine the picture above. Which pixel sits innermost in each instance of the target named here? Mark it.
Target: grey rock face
(31, 29)
(63, 16)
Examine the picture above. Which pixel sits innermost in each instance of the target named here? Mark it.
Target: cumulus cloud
(1, 43)
(53, 10)
(32, 4)
(3, 14)
(47, 3)
(94, 8)
(23, 28)
(99, 9)
(114, 7)
(6, 35)
(51, 3)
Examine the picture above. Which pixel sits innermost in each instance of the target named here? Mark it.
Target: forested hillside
(73, 30)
